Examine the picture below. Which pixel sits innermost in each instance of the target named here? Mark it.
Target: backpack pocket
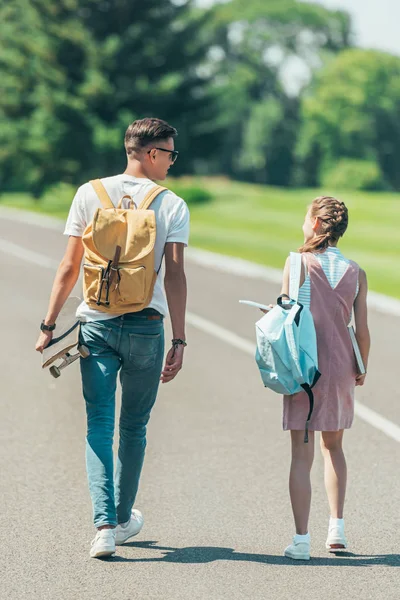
(92, 276)
(127, 286)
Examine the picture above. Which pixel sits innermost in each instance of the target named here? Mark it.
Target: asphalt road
(214, 488)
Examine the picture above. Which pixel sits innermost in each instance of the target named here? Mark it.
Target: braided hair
(334, 219)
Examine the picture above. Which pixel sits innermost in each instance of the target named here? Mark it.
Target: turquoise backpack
(287, 353)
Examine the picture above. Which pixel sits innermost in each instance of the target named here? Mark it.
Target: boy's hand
(360, 379)
(43, 340)
(173, 363)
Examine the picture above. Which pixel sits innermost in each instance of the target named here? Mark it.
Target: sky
(376, 22)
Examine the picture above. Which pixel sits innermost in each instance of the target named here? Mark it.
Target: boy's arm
(176, 291)
(361, 322)
(64, 281)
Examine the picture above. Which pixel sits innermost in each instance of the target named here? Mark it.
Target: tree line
(75, 73)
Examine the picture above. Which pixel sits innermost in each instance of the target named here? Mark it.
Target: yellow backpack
(118, 271)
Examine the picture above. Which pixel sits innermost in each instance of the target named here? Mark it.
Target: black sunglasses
(173, 153)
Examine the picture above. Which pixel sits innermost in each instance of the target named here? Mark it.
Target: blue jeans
(134, 345)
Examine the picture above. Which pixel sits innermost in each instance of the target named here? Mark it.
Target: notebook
(360, 364)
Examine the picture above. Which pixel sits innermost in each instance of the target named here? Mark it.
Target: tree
(353, 111)
(150, 53)
(45, 130)
(75, 73)
(254, 43)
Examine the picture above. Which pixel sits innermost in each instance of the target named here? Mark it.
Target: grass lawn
(263, 224)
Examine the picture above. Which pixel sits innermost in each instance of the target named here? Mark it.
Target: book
(256, 304)
(359, 361)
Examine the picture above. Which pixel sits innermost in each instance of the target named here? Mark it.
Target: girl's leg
(299, 480)
(335, 471)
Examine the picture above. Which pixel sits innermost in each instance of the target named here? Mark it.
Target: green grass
(54, 205)
(263, 224)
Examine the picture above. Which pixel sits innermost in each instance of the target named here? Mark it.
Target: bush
(57, 198)
(352, 174)
(192, 194)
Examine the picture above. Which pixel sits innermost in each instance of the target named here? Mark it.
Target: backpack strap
(151, 196)
(295, 274)
(296, 261)
(148, 199)
(308, 389)
(102, 193)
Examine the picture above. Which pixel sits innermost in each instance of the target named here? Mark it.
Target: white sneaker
(300, 548)
(103, 544)
(336, 539)
(127, 530)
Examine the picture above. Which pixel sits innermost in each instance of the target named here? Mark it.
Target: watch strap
(44, 327)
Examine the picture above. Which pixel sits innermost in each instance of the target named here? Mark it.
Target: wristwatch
(44, 327)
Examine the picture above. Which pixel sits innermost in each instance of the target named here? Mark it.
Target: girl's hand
(360, 379)
(267, 311)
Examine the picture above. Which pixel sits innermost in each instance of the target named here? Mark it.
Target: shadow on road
(205, 554)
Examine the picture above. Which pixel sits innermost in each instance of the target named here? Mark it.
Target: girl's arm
(285, 282)
(361, 321)
(286, 276)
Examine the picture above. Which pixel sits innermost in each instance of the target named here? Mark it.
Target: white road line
(363, 412)
(366, 414)
(211, 260)
(221, 333)
(28, 255)
(244, 268)
(377, 421)
(233, 265)
(32, 218)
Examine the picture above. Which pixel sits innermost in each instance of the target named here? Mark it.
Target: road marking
(210, 260)
(32, 218)
(233, 265)
(28, 255)
(244, 268)
(376, 420)
(363, 412)
(366, 414)
(221, 333)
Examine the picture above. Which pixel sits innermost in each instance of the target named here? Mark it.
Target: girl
(331, 285)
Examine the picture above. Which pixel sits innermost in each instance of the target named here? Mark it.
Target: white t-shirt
(172, 222)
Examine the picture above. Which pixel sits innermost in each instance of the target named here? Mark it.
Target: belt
(150, 313)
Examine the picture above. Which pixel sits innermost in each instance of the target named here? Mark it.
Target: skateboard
(65, 339)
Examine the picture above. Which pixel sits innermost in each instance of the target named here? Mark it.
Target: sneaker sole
(121, 542)
(336, 544)
(103, 553)
(298, 556)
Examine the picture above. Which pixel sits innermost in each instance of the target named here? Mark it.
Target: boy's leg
(99, 377)
(143, 352)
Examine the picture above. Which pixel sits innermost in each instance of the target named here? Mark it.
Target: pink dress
(334, 392)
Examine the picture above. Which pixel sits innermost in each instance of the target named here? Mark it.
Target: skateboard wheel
(84, 351)
(55, 371)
